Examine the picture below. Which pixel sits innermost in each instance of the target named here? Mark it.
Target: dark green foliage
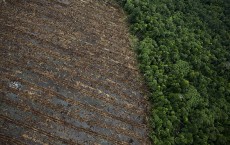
(184, 54)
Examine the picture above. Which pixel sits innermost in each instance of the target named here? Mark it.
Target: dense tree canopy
(184, 53)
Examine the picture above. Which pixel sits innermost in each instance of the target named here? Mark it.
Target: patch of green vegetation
(184, 53)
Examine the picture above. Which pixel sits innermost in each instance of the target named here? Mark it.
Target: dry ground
(68, 75)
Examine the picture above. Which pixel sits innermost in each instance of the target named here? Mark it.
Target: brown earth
(68, 75)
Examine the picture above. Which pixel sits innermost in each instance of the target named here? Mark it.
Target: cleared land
(68, 75)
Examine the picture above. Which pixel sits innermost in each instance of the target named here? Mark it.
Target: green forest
(183, 48)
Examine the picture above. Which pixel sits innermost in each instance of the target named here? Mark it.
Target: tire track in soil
(68, 75)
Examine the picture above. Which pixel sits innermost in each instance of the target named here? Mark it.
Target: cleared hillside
(68, 75)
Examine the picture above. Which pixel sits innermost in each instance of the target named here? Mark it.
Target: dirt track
(68, 75)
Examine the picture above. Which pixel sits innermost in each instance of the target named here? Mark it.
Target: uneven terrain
(68, 75)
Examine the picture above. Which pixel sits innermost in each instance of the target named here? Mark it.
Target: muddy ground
(68, 75)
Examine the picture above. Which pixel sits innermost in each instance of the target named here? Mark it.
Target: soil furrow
(90, 84)
(60, 108)
(46, 116)
(59, 55)
(87, 107)
(72, 85)
(5, 118)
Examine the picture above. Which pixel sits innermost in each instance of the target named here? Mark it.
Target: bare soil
(68, 75)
